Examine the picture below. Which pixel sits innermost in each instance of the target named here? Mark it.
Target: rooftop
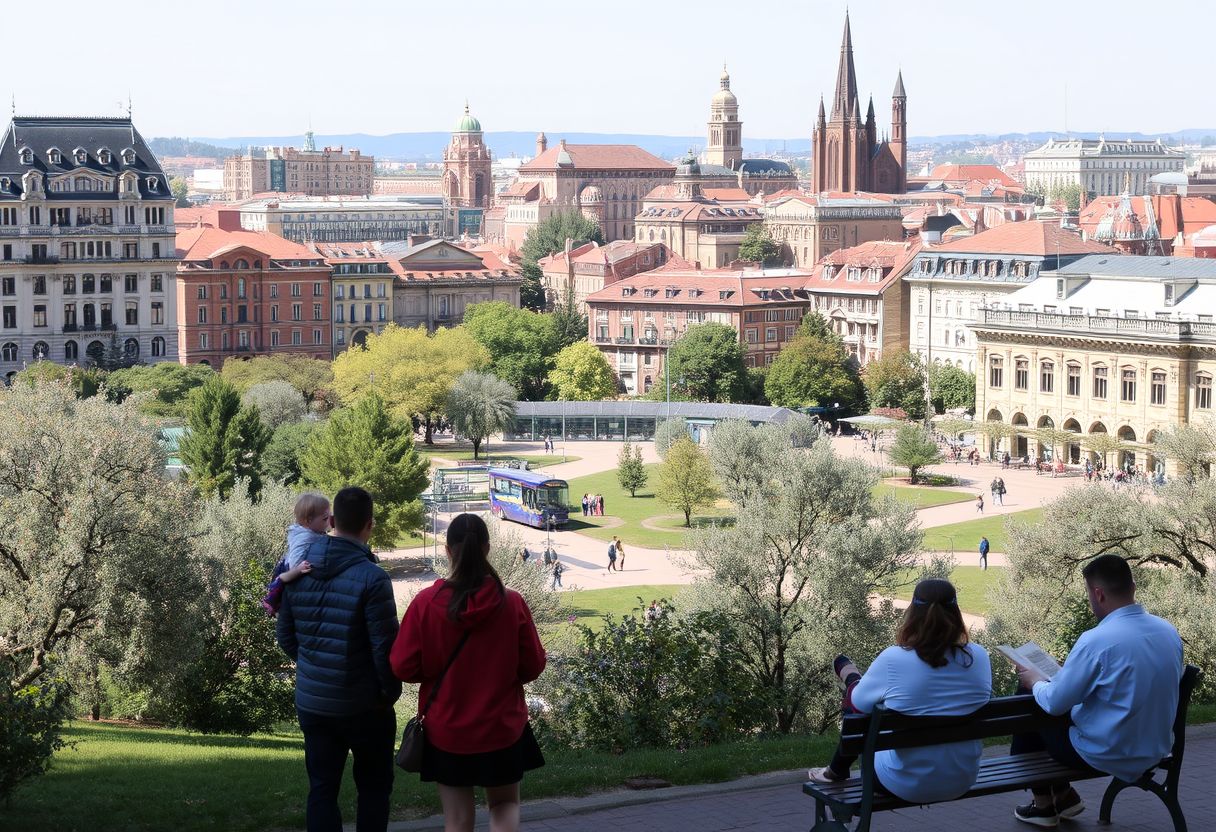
(1042, 239)
(597, 157)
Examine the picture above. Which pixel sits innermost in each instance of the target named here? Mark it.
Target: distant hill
(162, 146)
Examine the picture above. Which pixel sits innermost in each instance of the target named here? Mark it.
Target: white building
(1102, 167)
(345, 219)
(87, 253)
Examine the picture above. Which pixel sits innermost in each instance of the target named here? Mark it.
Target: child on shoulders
(311, 524)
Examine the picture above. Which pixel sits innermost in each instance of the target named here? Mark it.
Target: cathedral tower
(725, 146)
(466, 165)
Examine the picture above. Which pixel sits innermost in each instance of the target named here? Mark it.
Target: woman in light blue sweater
(933, 669)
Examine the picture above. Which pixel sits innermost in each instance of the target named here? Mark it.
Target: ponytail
(468, 547)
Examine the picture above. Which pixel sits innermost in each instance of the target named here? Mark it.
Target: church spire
(846, 76)
(822, 117)
(899, 86)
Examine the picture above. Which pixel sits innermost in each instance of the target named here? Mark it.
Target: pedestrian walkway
(775, 803)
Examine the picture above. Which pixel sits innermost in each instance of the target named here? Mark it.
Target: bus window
(515, 490)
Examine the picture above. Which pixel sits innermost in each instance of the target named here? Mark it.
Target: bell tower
(725, 145)
(467, 180)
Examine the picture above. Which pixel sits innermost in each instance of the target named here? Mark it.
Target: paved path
(775, 803)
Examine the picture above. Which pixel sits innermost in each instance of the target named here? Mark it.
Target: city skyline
(641, 68)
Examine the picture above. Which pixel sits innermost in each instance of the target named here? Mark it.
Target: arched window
(1021, 373)
(71, 350)
(41, 351)
(130, 348)
(1127, 386)
(96, 351)
(9, 351)
(158, 346)
(242, 263)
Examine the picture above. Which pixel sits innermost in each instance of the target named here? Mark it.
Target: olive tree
(278, 403)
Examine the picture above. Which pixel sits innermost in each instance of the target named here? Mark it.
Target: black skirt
(489, 768)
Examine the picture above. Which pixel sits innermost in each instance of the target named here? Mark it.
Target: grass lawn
(922, 497)
(145, 779)
(589, 606)
(972, 584)
(965, 536)
(466, 453)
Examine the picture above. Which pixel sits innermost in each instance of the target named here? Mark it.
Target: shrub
(31, 719)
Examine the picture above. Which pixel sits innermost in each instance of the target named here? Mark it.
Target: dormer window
(103, 156)
(80, 155)
(128, 156)
(27, 156)
(671, 293)
(151, 183)
(6, 184)
(53, 156)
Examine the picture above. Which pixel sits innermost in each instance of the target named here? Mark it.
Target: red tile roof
(892, 256)
(743, 285)
(1174, 213)
(203, 242)
(1029, 238)
(598, 157)
(965, 173)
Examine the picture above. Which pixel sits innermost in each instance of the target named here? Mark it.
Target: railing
(624, 339)
(649, 342)
(1098, 324)
(40, 259)
(69, 327)
(603, 339)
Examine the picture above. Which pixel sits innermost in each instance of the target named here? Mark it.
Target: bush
(668, 431)
(31, 720)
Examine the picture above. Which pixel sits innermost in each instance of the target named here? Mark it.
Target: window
(71, 350)
(1127, 387)
(202, 292)
(274, 290)
(240, 287)
(9, 285)
(1203, 391)
(295, 338)
(316, 336)
(40, 284)
(41, 350)
(223, 314)
(295, 290)
(381, 312)
(10, 317)
(223, 291)
(130, 348)
(1157, 387)
(274, 313)
(158, 312)
(316, 311)
(1047, 377)
(106, 283)
(242, 314)
(69, 315)
(1074, 379)
(1100, 382)
(130, 283)
(274, 337)
(296, 312)
(158, 346)
(40, 314)
(242, 338)
(770, 334)
(107, 314)
(202, 314)
(156, 250)
(752, 336)
(202, 340)
(1021, 374)
(9, 352)
(996, 371)
(317, 289)
(158, 283)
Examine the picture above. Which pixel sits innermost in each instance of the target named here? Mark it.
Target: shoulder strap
(446, 667)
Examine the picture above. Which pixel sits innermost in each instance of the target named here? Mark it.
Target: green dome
(467, 123)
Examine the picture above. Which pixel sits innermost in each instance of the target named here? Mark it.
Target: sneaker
(824, 775)
(1032, 814)
(1069, 805)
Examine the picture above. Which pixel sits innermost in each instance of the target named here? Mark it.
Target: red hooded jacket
(480, 706)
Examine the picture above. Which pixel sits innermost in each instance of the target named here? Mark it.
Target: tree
(686, 480)
(277, 402)
(223, 441)
(667, 432)
(368, 446)
(480, 406)
(169, 385)
(1192, 447)
(548, 237)
(914, 449)
(1068, 195)
(953, 388)
(521, 343)
(737, 459)
(311, 376)
(758, 246)
(797, 574)
(813, 369)
(1055, 438)
(411, 370)
(281, 460)
(897, 379)
(180, 189)
(706, 364)
(33, 718)
(569, 324)
(581, 373)
(1102, 444)
(630, 471)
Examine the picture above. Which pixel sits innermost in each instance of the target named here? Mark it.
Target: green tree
(686, 479)
(581, 373)
(953, 388)
(667, 432)
(411, 370)
(706, 364)
(897, 379)
(630, 471)
(179, 188)
(479, 406)
(277, 402)
(548, 237)
(223, 441)
(569, 324)
(758, 246)
(33, 718)
(1068, 195)
(522, 345)
(311, 376)
(914, 449)
(168, 383)
(386, 463)
(813, 369)
(281, 460)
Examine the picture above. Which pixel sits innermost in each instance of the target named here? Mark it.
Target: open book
(1031, 655)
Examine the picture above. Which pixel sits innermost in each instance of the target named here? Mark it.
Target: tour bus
(529, 497)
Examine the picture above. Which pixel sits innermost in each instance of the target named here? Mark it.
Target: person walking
(979, 503)
(992, 488)
(338, 622)
(983, 554)
(558, 569)
(612, 556)
(1000, 492)
(599, 502)
(585, 505)
(478, 638)
(620, 554)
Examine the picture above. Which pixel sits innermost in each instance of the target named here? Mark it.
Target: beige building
(590, 267)
(1102, 167)
(436, 281)
(329, 172)
(811, 226)
(1123, 346)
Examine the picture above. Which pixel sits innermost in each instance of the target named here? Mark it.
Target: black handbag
(413, 737)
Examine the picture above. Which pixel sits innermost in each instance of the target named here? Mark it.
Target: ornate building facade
(327, 172)
(811, 226)
(466, 166)
(725, 145)
(847, 154)
(1101, 167)
(722, 164)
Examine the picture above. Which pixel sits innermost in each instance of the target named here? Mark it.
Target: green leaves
(581, 373)
(630, 471)
(914, 449)
(686, 480)
(758, 246)
(545, 238)
(521, 344)
(706, 364)
(223, 441)
(479, 406)
(813, 370)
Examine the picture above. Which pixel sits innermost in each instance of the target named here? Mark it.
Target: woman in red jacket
(477, 731)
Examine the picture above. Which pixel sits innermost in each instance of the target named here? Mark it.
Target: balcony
(69, 327)
(603, 339)
(40, 259)
(649, 340)
(625, 339)
(1104, 325)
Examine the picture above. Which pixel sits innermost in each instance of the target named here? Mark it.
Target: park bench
(864, 734)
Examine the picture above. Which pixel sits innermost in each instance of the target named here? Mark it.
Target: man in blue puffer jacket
(338, 623)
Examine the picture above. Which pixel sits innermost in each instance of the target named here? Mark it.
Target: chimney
(228, 219)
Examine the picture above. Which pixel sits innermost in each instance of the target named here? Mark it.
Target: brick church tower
(466, 165)
(846, 153)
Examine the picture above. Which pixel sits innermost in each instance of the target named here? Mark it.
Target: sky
(254, 67)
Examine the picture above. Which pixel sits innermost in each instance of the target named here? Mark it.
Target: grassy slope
(466, 453)
(966, 535)
(588, 606)
(922, 497)
(972, 585)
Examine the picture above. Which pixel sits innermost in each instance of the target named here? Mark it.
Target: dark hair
(469, 547)
(352, 510)
(933, 625)
(1110, 572)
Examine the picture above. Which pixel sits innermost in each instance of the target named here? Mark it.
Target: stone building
(1099, 166)
(244, 293)
(722, 164)
(590, 267)
(950, 282)
(434, 282)
(847, 155)
(344, 220)
(87, 264)
(1123, 346)
(331, 171)
(1147, 224)
(362, 279)
(811, 226)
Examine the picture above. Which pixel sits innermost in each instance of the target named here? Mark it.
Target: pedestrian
(347, 621)
(612, 556)
(620, 554)
(586, 504)
(992, 490)
(600, 504)
(979, 503)
(471, 644)
(523, 558)
(654, 612)
(558, 569)
(984, 554)
(1000, 491)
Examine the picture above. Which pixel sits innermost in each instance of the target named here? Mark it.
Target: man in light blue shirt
(1120, 685)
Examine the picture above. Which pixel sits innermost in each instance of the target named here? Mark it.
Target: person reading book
(933, 669)
(1120, 684)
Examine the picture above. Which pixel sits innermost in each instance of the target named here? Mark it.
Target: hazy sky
(254, 67)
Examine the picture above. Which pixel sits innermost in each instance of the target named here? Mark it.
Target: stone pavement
(775, 803)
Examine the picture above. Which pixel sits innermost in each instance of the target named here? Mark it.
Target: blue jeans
(369, 738)
(1058, 744)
